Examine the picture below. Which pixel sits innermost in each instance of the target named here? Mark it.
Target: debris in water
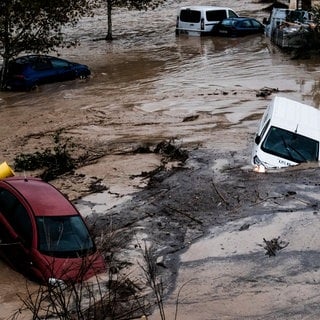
(264, 92)
(190, 118)
(273, 245)
(244, 227)
(170, 151)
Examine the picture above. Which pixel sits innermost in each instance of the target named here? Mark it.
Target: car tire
(34, 86)
(83, 76)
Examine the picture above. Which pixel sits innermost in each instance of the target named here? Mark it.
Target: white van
(288, 134)
(200, 20)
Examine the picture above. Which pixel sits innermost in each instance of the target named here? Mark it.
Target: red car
(42, 235)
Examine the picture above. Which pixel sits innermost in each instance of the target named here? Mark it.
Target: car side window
(246, 24)
(216, 15)
(17, 215)
(7, 202)
(232, 14)
(57, 63)
(42, 64)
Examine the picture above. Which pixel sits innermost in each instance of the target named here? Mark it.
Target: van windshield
(188, 15)
(290, 145)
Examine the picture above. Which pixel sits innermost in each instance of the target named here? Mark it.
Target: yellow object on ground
(5, 171)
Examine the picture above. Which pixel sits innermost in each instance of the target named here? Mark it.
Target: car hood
(46, 267)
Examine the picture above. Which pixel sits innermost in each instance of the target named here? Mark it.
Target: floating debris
(273, 245)
(244, 227)
(190, 118)
(264, 92)
(171, 151)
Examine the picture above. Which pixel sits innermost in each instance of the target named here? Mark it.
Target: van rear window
(188, 15)
(290, 145)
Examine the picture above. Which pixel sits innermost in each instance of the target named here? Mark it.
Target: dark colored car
(238, 27)
(43, 235)
(27, 72)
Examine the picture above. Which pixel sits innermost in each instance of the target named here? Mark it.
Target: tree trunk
(3, 76)
(109, 8)
(6, 56)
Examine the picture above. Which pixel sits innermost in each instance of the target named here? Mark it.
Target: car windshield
(65, 236)
(290, 145)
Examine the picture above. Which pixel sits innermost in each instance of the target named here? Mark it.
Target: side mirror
(257, 139)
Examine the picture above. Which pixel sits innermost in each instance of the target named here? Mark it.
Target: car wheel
(34, 86)
(83, 76)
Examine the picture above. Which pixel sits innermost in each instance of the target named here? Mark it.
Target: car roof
(296, 117)
(204, 8)
(43, 198)
(30, 57)
(236, 20)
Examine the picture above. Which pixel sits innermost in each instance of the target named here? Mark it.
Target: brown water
(144, 83)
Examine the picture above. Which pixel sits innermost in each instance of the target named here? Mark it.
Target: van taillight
(177, 23)
(202, 24)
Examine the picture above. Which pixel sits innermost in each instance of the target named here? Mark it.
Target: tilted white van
(279, 15)
(288, 134)
(200, 20)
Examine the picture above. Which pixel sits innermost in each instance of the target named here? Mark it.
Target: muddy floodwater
(144, 85)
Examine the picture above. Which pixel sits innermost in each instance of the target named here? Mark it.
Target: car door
(63, 69)
(225, 27)
(43, 70)
(16, 231)
(244, 28)
(247, 27)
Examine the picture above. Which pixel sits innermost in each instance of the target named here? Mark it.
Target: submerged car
(288, 134)
(27, 72)
(42, 234)
(238, 27)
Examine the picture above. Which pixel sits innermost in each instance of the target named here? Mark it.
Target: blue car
(27, 72)
(238, 27)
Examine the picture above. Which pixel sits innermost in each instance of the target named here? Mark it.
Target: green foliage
(36, 25)
(54, 162)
